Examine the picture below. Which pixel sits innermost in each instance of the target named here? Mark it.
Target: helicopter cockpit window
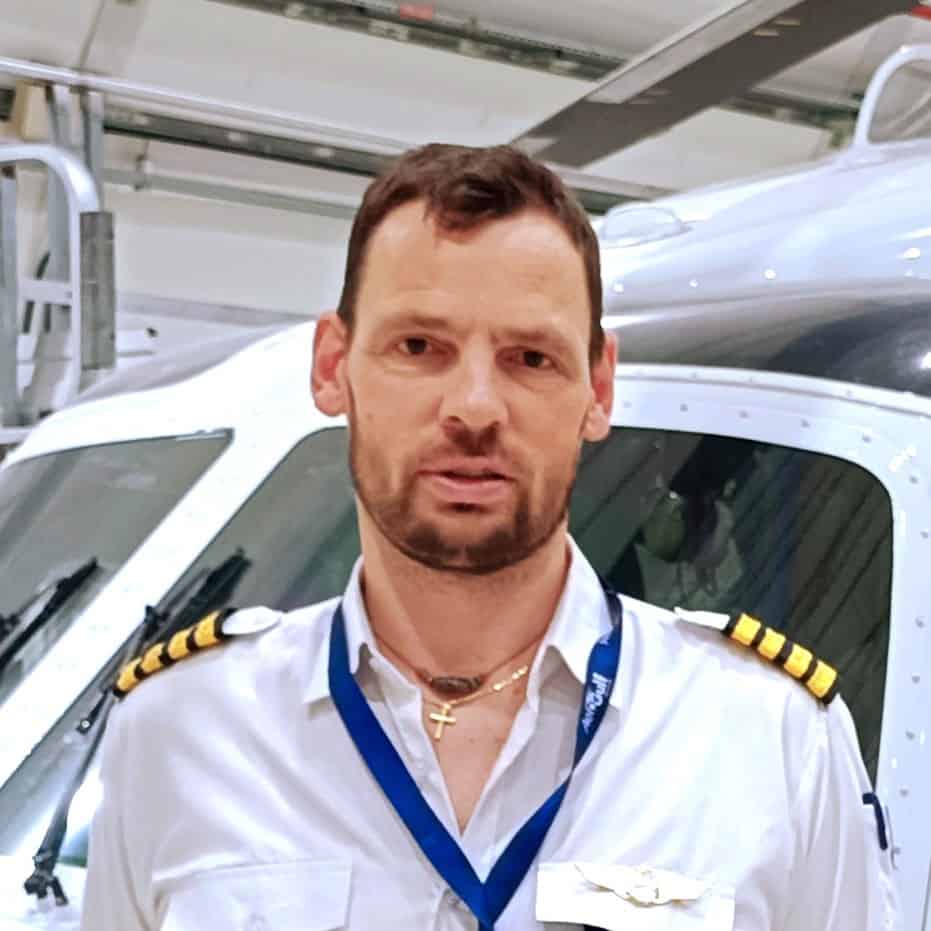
(298, 537)
(903, 110)
(800, 539)
(68, 522)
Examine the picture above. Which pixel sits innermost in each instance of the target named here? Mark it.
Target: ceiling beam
(596, 194)
(422, 25)
(112, 36)
(159, 114)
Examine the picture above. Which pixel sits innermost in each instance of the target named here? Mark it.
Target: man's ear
(328, 376)
(598, 419)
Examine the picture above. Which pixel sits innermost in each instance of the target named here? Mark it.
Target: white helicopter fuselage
(861, 216)
(856, 217)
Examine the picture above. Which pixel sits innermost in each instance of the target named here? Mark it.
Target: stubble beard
(393, 512)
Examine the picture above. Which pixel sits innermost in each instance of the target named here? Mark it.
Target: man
(477, 734)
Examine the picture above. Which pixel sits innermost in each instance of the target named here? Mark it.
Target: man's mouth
(473, 476)
(465, 485)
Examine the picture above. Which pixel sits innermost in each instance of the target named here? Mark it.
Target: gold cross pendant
(442, 718)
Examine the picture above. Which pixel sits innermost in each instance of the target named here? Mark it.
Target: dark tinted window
(865, 339)
(800, 540)
(298, 530)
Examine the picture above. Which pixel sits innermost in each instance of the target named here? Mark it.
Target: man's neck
(456, 624)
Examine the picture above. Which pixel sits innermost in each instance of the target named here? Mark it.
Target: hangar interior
(231, 139)
(178, 179)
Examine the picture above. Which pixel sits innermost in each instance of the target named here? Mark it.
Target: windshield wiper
(214, 592)
(18, 627)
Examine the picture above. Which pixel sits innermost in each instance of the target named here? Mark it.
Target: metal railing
(89, 279)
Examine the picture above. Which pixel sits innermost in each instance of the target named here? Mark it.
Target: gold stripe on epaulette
(127, 678)
(824, 682)
(206, 633)
(817, 676)
(746, 629)
(177, 646)
(773, 642)
(798, 662)
(151, 660)
(201, 636)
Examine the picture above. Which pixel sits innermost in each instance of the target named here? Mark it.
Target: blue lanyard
(489, 899)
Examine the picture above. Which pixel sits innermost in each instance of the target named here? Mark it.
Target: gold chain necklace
(444, 717)
(458, 687)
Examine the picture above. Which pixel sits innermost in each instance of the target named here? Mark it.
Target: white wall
(196, 251)
(200, 250)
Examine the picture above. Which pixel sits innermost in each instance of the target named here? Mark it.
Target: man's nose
(473, 397)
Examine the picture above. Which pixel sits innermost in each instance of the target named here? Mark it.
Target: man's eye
(533, 359)
(414, 346)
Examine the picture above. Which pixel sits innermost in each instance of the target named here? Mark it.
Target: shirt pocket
(305, 895)
(614, 897)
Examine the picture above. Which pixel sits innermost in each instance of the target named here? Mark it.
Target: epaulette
(216, 628)
(817, 676)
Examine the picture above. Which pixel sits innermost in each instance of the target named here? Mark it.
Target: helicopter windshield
(61, 511)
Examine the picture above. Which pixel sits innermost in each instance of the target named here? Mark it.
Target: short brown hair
(463, 188)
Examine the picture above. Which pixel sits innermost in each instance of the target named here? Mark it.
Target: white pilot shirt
(235, 799)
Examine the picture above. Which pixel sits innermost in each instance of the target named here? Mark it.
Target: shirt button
(256, 923)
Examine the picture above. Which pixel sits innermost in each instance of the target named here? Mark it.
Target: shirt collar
(358, 634)
(581, 617)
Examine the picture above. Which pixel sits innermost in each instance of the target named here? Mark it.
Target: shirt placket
(495, 817)
(401, 717)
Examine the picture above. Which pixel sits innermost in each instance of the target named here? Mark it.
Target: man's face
(467, 386)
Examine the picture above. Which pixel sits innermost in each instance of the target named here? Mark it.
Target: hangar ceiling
(472, 71)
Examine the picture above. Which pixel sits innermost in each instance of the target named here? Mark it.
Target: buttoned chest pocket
(301, 896)
(613, 897)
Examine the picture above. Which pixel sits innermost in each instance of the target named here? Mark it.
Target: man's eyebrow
(537, 336)
(418, 320)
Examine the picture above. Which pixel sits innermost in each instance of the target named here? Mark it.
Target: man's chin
(471, 562)
(474, 550)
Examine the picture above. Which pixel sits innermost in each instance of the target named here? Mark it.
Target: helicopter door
(805, 500)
